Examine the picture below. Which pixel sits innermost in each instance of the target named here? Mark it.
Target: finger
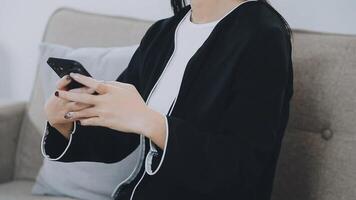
(93, 121)
(86, 90)
(118, 84)
(121, 85)
(63, 82)
(113, 83)
(98, 86)
(86, 113)
(85, 80)
(76, 106)
(77, 97)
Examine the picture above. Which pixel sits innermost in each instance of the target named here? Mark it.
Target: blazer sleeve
(94, 143)
(242, 144)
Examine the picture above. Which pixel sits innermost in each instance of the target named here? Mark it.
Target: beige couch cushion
(21, 190)
(29, 158)
(318, 159)
(78, 29)
(11, 114)
(325, 78)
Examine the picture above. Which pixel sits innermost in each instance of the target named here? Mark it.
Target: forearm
(96, 144)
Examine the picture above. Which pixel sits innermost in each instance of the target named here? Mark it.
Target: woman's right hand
(56, 108)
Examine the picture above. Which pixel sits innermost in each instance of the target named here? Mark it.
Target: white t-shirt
(189, 38)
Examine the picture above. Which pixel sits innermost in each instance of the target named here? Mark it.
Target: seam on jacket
(153, 151)
(138, 183)
(142, 158)
(149, 96)
(136, 170)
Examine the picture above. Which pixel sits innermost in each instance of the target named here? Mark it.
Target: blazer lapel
(197, 62)
(204, 55)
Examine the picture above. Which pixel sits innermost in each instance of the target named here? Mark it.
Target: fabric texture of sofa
(317, 160)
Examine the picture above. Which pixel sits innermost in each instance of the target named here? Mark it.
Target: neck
(205, 11)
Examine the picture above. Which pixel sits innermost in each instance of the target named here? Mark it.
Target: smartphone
(64, 67)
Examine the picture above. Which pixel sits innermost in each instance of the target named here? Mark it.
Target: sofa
(318, 155)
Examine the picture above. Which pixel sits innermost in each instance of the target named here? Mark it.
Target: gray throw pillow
(84, 180)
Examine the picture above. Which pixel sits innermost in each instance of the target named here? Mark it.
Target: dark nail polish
(56, 93)
(68, 78)
(78, 122)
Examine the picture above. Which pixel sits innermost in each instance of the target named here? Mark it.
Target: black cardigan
(226, 128)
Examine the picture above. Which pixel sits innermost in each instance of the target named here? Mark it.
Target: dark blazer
(226, 128)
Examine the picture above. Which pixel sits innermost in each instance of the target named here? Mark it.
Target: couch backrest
(74, 29)
(317, 159)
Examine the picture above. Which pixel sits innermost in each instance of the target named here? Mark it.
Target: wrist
(64, 129)
(154, 127)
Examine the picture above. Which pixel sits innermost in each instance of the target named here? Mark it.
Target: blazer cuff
(53, 144)
(155, 155)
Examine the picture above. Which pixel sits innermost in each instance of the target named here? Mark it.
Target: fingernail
(56, 93)
(68, 115)
(68, 78)
(79, 123)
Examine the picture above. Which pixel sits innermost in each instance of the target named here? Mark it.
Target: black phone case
(64, 67)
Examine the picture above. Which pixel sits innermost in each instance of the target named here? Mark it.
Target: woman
(206, 95)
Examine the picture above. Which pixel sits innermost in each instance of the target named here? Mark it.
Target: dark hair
(177, 6)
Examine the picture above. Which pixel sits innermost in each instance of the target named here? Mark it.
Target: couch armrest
(11, 114)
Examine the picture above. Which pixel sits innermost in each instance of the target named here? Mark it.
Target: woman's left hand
(118, 106)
